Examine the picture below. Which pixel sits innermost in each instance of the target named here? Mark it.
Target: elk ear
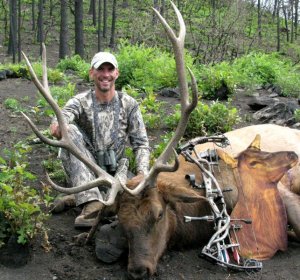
(255, 143)
(174, 194)
(228, 159)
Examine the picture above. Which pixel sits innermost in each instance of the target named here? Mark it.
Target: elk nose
(138, 273)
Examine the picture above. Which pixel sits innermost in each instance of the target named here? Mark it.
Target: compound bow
(220, 248)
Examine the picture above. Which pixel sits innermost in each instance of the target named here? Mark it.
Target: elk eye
(160, 215)
(253, 163)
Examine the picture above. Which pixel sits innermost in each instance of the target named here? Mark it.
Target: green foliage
(77, 64)
(211, 119)
(297, 115)
(214, 77)
(150, 107)
(21, 213)
(207, 119)
(13, 104)
(55, 169)
(288, 80)
(152, 111)
(20, 70)
(250, 71)
(147, 68)
(60, 94)
(159, 148)
(129, 154)
(259, 69)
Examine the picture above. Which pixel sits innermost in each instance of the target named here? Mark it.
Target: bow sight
(220, 248)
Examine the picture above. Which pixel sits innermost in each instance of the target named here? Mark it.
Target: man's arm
(139, 140)
(71, 112)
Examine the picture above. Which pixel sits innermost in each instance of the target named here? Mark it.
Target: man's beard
(105, 89)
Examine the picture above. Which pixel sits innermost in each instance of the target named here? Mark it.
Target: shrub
(257, 68)
(147, 68)
(151, 110)
(21, 211)
(77, 64)
(207, 119)
(61, 96)
(268, 69)
(297, 115)
(159, 148)
(55, 169)
(12, 104)
(214, 77)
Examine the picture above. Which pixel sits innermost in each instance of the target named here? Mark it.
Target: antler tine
(186, 106)
(92, 184)
(65, 142)
(44, 64)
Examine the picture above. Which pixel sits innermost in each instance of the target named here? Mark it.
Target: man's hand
(133, 182)
(55, 130)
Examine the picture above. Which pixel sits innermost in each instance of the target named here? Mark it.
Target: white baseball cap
(103, 57)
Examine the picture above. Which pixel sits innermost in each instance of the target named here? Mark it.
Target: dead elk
(154, 220)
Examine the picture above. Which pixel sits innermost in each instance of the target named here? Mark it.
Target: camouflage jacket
(111, 125)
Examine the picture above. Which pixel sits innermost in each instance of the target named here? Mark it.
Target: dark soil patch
(67, 261)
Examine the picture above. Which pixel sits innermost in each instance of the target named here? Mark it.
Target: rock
(279, 113)
(259, 102)
(170, 92)
(3, 75)
(10, 74)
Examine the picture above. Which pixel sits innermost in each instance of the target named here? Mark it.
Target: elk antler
(186, 106)
(103, 178)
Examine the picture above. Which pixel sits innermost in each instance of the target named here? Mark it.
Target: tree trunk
(113, 25)
(51, 8)
(99, 24)
(104, 18)
(33, 14)
(5, 20)
(64, 33)
(286, 23)
(19, 30)
(292, 21)
(40, 33)
(259, 22)
(278, 26)
(79, 46)
(92, 11)
(275, 9)
(296, 18)
(12, 43)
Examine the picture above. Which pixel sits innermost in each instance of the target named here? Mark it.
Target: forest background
(216, 30)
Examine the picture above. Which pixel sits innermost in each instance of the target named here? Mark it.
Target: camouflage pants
(78, 173)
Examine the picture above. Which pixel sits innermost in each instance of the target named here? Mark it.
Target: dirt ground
(67, 261)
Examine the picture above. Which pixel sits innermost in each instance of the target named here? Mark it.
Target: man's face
(104, 77)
